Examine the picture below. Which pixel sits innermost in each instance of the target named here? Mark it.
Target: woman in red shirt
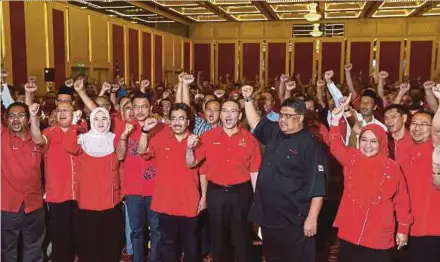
(374, 189)
(99, 199)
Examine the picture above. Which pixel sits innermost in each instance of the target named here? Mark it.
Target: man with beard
(22, 210)
(232, 157)
(60, 180)
(291, 183)
(176, 192)
(417, 165)
(138, 184)
(395, 120)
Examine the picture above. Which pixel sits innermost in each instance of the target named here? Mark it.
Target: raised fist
(106, 87)
(188, 79)
(404, 87)
(30, 87)
(150, 123)
(429, 84)
(145, 83)
(127, 130)
(291, 85)
(33, 109)
(383, 74)
(436, 91)
(181, 75)
(328, 75)
(284, 78)
(79, 85)
(76, 117)
(247, 91)
(348, 67)
(193, 141)
(320, 83)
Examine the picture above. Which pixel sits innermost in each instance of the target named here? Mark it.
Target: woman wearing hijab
(99, 197)
(374, 190)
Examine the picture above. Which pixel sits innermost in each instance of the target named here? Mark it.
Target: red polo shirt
(21, 175)
(138, 173)
(402, 146)
(58, 168)
(229, 159)
(176, 189)
(425, 199)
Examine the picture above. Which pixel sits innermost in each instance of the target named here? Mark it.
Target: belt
(229, 187)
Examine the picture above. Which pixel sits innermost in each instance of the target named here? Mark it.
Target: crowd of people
(197, 169)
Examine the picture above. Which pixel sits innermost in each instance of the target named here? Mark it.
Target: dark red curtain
(251, 60)
(226, 59)
(420, 60)
(202, 60)
(59, 49)
(331, 59)
(158, 59)
(133, 52)
(18, 42)
(276, 61)
(146, 62)
(303, 60)
(186, 57)
(389, 59)
(360, 58)
(118, 51)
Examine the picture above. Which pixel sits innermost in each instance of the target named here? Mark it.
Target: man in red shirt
(395, 120)
(424, 239)
(22, 202)
(138, 183)
(176, 193)
(60, 180)
(232, 158)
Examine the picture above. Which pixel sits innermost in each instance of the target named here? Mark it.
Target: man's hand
(181, 75)
(149, 124)
(337, 113)
(145, 84)
(290, 85)
(383, 75)
(193, 141)
(202, 204)
(404, 87)
(436, 91)
(320, 84)
(106, 87)
(348, 67)
(345, 101)
(188, 79)
(247, 91)
(310, 227)
(30, 87)
(76, 117)
(79, 85)
(284, 78)
(33, 109)
(328, 76)
(401, 240)
(127, 130)
(429, 85)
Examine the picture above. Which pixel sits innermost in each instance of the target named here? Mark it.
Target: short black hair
(399, 108)
(183, 107)
(216, 100)
(371, 94)
(141, 95)
(298, 105)
(424, 111)
(19, 104)
(65, 90)
(233, 101)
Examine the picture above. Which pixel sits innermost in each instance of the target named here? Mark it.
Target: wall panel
(331, 59)
(59, 47)
(202, 59)
(276, 61)
(421, 59)
(390, 54)
(226, 60)
(133, 51)
(360, 56)
(79, 36)
(303, 57)
(146, 55)
(118, 50)
(158, 59)
(18, 42)
(250, 60)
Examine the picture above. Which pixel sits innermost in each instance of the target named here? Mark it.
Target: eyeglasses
(179, 119)
(288, 116)
(59, 100)
(212, 110)
(232, 111)
(421, 125)
(104, 105)
(18, 116)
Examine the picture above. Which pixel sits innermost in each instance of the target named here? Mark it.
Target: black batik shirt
(291, 174)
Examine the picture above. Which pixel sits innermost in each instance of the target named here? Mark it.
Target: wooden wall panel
(99, 41)
(79, 36)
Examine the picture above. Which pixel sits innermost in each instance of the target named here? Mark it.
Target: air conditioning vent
(329, 30)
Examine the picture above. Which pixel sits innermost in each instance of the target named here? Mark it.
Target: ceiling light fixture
(316, 32)
(313, 16)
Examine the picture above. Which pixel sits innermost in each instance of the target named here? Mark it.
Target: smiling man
(291, 182)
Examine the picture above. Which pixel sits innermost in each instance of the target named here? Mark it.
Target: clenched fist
(193, 141)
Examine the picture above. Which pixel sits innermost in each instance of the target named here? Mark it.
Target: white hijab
(95, 143)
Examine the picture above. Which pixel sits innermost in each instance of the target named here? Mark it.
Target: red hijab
(367, 173)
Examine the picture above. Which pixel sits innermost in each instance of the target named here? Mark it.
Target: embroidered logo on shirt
(149, 173)
(242, 143)
(216, 143)
(320, 168)
(167, 148)
(132, 147)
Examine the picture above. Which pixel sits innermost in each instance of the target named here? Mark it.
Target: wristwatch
(145, 131)
(248, 99)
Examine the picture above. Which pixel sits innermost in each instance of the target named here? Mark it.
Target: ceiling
(187, 12)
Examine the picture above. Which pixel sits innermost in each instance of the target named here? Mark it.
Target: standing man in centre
(231, 161)
(291, 182)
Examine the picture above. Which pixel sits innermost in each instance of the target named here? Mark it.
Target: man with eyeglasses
(176, 194)
(60, 179)
(138, 184)
(231, 160)
(417, 166)
(291, 184)
(22, 210)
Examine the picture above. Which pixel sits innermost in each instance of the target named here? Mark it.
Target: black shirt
(291, 174)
